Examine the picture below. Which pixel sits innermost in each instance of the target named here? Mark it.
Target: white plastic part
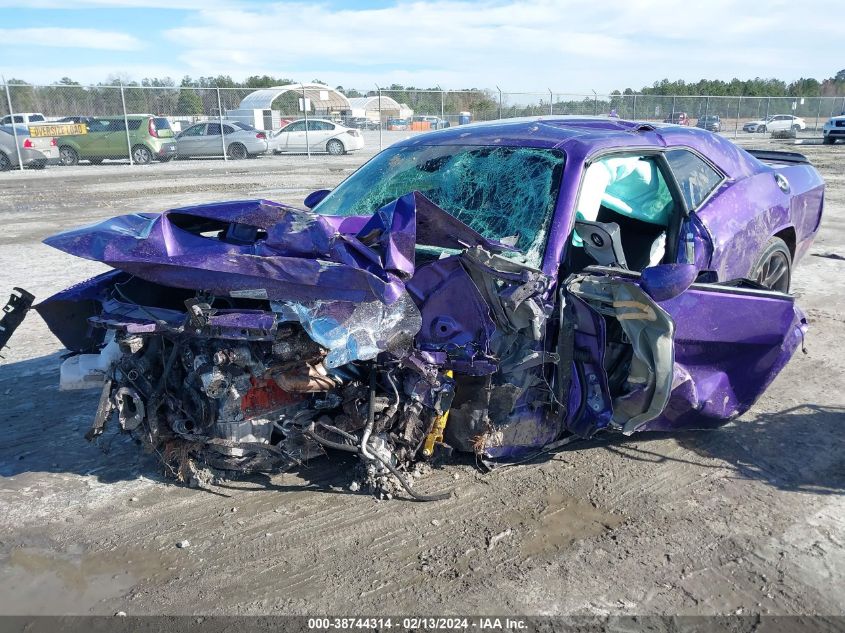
(88, 371)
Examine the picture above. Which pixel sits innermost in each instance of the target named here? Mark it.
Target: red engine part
(266, 395)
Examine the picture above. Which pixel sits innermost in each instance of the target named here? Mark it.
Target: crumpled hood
(267, 250)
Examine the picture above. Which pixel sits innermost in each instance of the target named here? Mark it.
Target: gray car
(35, 152)
(205, 139)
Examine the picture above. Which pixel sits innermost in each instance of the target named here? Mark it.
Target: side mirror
(315, 197)
(665, 281)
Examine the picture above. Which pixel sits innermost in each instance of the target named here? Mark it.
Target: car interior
(625, 214)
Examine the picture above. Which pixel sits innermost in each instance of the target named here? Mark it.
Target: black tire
(827, 140)
(335, 147)
(237, 151)
(762, 129)
(141, 155)
(774, 266)
(5, 163)
(68, 156)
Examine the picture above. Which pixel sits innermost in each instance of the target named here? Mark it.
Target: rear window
(243, 126)
(162, 127)
(36, 117)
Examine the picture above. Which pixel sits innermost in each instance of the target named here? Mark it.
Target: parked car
(150, 138)
(776, 123)
(323, 136)
(710, 122)
(434, 122)
(361, 123)
(23, 117)
(834, 129)
(205, 139)
(677, 118)
(422, 305)
(36, 152)
(394, 124)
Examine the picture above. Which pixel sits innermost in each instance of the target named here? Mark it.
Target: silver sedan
(205, 139)
(35, 152)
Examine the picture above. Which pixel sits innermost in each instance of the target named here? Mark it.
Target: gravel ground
(745, 519)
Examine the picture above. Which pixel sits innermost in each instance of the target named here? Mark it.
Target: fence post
(738, 110)
(768, 101)
(380, 120)
(706, 107)
(595, 103)
(674, 98)
(634, 112)
(551, 102)
(500, 101)
(14, 127)
(442, 104)
(126, 123)
(818, 114)
(305, 110)
(220, 119)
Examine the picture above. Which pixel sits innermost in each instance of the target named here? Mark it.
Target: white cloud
(70, 38)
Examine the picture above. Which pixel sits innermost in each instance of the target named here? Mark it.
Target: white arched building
(257, 107)
(379, 108)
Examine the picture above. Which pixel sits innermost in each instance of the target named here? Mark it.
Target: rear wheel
(5, 163)
(774, 266)
(335, 147)
(237, 151)
(828, 140)
(141, 155)
(68, 156)
(762, 129)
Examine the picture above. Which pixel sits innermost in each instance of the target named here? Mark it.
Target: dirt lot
(749, 518)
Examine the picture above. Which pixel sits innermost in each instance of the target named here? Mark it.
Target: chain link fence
(141, 124)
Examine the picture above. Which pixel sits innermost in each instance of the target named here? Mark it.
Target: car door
(189, 142)
(652, 351)
(293, 137)
(212, 140)
(319, 132)
(92, 143)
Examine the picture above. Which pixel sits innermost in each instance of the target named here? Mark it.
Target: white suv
(834, 129)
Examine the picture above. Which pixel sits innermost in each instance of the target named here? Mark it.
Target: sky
(520, 46)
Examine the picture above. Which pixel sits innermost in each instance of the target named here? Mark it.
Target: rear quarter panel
(747, 212)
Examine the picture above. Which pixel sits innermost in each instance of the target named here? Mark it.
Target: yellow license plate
(58, 129)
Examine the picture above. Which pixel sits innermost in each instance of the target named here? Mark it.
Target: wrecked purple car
(497, 289)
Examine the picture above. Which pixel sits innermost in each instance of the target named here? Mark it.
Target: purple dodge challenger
(498, 288)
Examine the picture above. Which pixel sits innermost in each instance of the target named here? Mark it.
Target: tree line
(197, 96)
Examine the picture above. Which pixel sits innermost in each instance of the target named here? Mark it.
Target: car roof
(581, 137)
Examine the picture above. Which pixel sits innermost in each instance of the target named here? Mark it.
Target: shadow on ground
(798, 449)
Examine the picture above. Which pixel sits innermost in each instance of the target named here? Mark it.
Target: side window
(134, 124)
(228, 129)
(35, 118)
(696, 177)
(98, 125)
(298, 126)
(213, 129)
(194, 130)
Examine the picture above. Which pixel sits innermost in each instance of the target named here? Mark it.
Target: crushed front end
(251, 337)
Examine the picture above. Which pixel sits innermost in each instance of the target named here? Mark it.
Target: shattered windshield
(505, 193)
